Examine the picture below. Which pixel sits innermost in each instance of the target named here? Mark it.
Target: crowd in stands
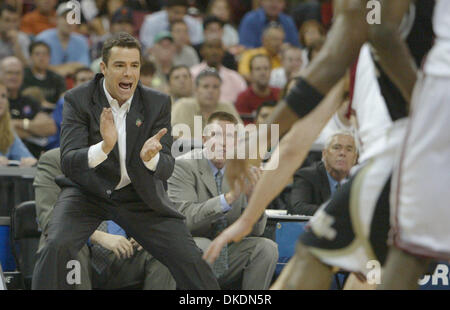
(256, 47)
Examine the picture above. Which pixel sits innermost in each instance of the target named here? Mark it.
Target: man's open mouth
(125, 86)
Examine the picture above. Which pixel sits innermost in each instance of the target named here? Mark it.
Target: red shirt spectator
(248, 101)
(40, 19)
(259, 90)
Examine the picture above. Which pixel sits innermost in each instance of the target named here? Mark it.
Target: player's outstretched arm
(348, 33)
(391, 50)
(291, 150)
(341, 48)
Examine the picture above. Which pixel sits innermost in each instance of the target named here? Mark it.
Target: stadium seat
(25, 236)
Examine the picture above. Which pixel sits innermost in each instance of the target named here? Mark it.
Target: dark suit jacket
(149, 112)
(311, 188)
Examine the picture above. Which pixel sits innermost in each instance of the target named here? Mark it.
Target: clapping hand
(108, 130)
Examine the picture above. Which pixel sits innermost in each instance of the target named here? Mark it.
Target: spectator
(242, 7)
(304, 11)
(291, 59)
(146, 5)
(37, 94)
(11, 146)
(12, 41)
(38, 74)
(185, 54)
(254, 22)
(213, 29)
(205, 103)
(41, 18)
(259, 90)
(222, 10)
(162, 54)
(100, 24)
(30, 123)
(80, 76)
(264, 110)
(174, 10)
(111, 260)
(232, 83)
(201, 193)
(148, 70)
(121, 21)
(180, 83)
(69, 50)
(314, 185)
(310, 33)
(272, 38)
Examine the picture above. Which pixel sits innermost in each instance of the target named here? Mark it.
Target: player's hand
(120, 245)
(254, 175)
(27, 161)
(108, 130)
(135, 244)
(239, 172)
(235, 233)
(152, 146)
(245, 185)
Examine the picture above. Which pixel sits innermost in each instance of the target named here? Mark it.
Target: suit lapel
(325, 186)
(134, 123)
(99, 99)
(207, 177)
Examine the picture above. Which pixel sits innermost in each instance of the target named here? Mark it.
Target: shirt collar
(214, 168)
(331, 180)
(114, 106)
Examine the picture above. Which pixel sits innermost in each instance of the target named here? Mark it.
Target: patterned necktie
(221, 264)
(99, 254)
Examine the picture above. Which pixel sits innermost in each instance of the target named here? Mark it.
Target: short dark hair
(250, 63)
(7, 7)
(35, 44)
(222, 116)
(210, 19)
(175, 68)
(309, 23)
(121, 39)
(170, 3)
(148, 68)
(79, 70)
(205, 73)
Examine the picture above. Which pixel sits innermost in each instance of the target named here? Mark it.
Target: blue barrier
(6, 257)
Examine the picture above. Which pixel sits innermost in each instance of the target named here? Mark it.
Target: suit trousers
(77, 215)
(251, 263)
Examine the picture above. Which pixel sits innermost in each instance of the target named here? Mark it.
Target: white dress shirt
(96, 155)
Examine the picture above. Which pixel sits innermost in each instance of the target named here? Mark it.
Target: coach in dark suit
(314, 185)
(115, 154)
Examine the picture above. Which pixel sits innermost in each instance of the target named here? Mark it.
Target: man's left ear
(102, 67)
